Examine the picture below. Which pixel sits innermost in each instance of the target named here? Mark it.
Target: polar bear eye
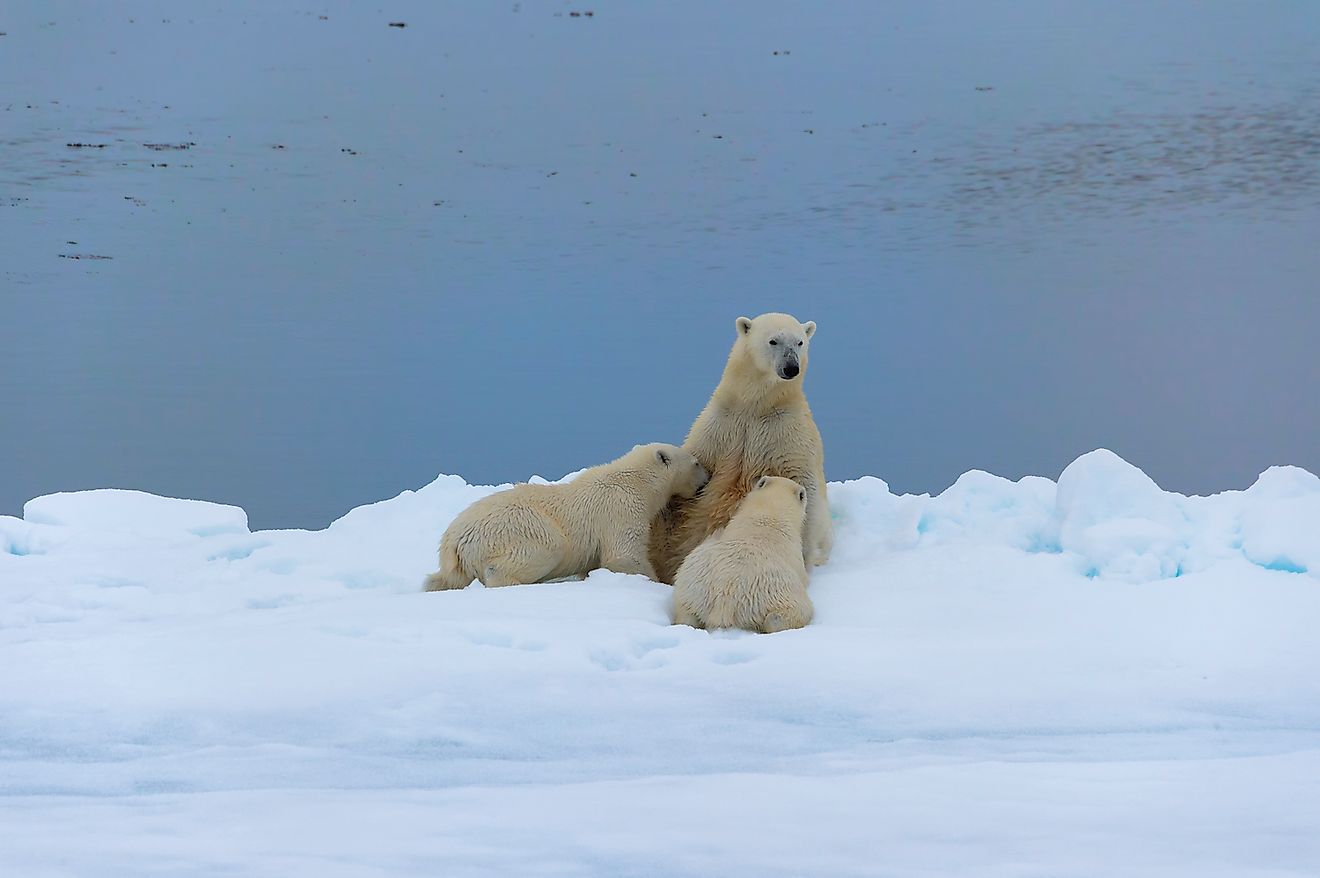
(799, 344)
(773, 342)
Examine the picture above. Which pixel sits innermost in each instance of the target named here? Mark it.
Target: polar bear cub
(536, 533)
(751, 574)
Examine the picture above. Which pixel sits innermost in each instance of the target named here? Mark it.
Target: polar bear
(756, 423)
(535, 533)
(750, 575)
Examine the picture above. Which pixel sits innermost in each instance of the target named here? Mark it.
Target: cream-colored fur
(750, 575)
(536, 533)
(757, 423)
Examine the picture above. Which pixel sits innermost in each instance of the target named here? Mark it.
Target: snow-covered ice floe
(1093, 677)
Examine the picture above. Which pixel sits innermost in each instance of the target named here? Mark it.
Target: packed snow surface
(1088, 677)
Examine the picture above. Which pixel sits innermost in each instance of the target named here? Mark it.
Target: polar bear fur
(750, 575)
(536, 533)
(757, 423)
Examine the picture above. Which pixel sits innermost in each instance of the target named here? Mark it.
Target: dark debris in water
(84, 256)
(345, 149)
(398, 24)
(87, 145)
(163, 147)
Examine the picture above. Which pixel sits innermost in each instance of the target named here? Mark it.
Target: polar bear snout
(787, 365)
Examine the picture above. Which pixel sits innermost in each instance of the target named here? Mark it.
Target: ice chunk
(14, 536)
(869, 519)
(1118, 520)
(1280, 527)
(1282, 482)
(989, 508)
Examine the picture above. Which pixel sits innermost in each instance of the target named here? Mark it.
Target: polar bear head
(776, 343)
(778, 498)
(678, 470)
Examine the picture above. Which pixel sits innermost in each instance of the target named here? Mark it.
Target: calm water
(340, 257)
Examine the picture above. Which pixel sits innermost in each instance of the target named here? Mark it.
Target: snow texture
(1093, 677)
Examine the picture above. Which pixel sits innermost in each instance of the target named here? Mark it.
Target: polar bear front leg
(817, 529)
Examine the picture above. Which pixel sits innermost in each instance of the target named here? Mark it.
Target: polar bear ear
(802, 496)
(744, 325)
(662, 456)
(760, 483)
(809, 327)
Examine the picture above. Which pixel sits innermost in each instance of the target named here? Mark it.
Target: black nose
(790, 370)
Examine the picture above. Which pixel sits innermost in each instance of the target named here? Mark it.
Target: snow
(1010, 678)
(135, 512)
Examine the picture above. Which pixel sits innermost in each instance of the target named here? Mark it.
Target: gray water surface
(305, 259)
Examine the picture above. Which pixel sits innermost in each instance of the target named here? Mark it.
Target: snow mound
(1117, 518)
(990, 509)
(1105, 516)
(135, 512)
(1280, 522)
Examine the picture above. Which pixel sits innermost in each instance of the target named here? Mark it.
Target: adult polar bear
(756, 424)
